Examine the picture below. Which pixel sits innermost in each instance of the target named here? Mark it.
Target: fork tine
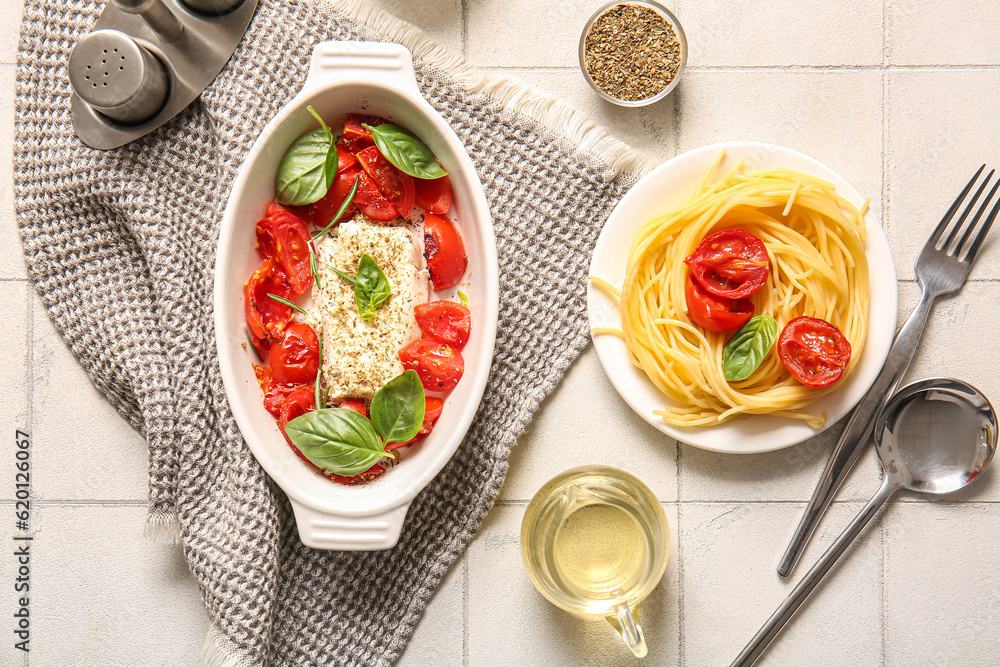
(965, 214)
(939, 230)
(981, 234)
(971, 227)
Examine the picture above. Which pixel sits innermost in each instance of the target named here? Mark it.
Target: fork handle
(858, 431)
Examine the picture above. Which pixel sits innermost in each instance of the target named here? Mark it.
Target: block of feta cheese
(361, 356)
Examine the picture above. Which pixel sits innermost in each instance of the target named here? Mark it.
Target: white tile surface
(940, 584)
(834, 116)
(440, 19)
(936, 32)
(103, 595)
(776, 32)
(71, 416)
(941, 129)
(729, 587)
(598, 434)
(10, 17)
(522, 33)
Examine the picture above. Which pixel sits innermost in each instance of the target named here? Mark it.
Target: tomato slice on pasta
(814, 351)
(715, 313)
(732, 263)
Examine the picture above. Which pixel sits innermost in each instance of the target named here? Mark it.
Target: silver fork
(942, 268)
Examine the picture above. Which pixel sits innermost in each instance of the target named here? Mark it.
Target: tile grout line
(772, 68)
(680, 587)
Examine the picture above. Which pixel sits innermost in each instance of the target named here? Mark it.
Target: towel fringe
(162, 527)
(214, 655)
(550, 112)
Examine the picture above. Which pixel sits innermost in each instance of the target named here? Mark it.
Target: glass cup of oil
(595, 542)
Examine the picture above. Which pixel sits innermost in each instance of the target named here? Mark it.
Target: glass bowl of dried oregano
(633, 52)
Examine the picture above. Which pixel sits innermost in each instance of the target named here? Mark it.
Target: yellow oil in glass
(599, 551)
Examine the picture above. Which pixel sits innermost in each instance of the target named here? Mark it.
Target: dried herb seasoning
(631, 52)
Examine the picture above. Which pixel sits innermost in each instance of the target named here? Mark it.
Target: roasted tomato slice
(266, 317)
(715, 313)
(396, 186)
(445, 252)
(372, 203)
(285, 238)
(446, 321)
(432, 410)
(438, 365)
(814, 351)
(295, 358)
(732, 263)
(274, 398)
(355, 404)
(433, 194)
(303, 213)
(322, 211)
(355, 137)
(372, 473)
(299, 402)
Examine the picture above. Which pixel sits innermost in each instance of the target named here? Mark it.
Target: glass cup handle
(631, 632)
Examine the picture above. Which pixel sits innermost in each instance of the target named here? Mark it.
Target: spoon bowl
(933, 436)
(936, 435)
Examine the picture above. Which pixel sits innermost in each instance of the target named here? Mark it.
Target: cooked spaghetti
(815, 246)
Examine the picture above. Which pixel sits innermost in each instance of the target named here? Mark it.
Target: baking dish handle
(361, 61)
(324, 530)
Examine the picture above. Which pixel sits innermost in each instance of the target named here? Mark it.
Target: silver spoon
(933, 436)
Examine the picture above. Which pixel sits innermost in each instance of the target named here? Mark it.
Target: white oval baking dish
(378, 79)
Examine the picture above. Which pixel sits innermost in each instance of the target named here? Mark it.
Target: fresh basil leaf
(337, 440)
(303, 171)
(406, 151)
(398, 408)
(332, 162)
(371, 287)
(745, 351)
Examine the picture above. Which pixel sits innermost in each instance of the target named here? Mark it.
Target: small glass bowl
(671, 21)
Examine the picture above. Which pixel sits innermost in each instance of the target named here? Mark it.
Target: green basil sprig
(745, 351)
(406, 151)
(371, 287)
(345, 443)
(308, 167)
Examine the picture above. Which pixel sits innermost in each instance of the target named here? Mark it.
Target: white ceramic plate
(375, 79)
(671, 184)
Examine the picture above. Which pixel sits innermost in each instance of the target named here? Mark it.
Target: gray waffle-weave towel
(121, 248)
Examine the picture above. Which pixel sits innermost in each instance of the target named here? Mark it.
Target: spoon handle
(752, 652)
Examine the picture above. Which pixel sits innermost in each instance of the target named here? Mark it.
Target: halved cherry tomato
(355, 404)
(303, 213)
(263, 374)
(372, 473)
(433, 194)
(295, 358)
(322, 211)
(274, 398)
(446, 321)
(432, 410)
(731, 263)
(285, 238)
(299, 402)
(371, 202)
(814, 351)
(438, 365)
(266, 317)
(713, 312)
(445, 252)
(355, 137)
(396, 186)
